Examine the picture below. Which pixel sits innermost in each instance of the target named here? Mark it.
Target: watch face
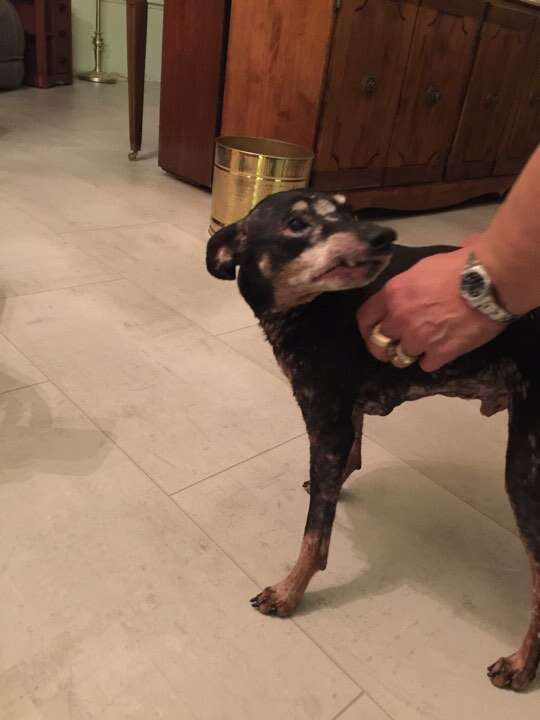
(473, 284)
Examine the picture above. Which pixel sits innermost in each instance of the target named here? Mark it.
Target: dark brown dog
(305, 264)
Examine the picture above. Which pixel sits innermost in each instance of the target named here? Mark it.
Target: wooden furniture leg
(137, 17)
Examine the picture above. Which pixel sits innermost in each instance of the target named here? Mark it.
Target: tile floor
(151, 466)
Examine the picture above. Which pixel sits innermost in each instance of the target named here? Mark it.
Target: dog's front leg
(329, 452)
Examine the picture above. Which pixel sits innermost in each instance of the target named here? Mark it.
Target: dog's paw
(512, 672)
(275, 600)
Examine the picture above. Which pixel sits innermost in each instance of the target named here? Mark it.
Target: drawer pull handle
(368, 85)
(433, 95)
(491, 101)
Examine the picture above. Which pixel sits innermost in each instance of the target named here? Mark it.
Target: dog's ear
(222, 252)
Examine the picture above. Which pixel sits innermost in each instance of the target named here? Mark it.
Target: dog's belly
(489, 387)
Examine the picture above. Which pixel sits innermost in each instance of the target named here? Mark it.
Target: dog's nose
(380, 238)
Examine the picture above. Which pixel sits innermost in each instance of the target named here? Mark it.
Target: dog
(305, 264)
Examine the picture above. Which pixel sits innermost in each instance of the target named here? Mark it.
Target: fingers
(371, 313)
(368, 317)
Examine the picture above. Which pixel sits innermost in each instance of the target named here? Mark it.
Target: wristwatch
(476, 288)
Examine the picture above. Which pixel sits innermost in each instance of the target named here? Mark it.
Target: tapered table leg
(137, 18)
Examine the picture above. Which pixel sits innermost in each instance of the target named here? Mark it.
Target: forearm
(510, 248)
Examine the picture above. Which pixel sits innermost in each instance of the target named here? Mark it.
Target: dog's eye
(297, 225)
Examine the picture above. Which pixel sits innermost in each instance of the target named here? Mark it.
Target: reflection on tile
(421, 591)
(115, 605)
(15, 370)
(181, 403)
(171, 265)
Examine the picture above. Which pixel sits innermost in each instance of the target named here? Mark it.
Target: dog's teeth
(350, 262)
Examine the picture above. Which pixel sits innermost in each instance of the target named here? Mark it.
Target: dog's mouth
(353, 270)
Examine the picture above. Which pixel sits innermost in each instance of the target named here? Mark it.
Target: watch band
(488, 304)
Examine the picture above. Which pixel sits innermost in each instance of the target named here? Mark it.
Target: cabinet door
(370, 49)
(438, 70)
(523, 134)
(501, 57)
(276, 61)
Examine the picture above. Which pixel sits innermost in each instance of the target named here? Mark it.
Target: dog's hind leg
(329, 452)
(523, 484)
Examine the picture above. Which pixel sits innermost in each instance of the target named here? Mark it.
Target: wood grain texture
(276, 64)
(194, 37)
(523, 132)
(499, 64)
(440, 62)
(428, 196)
(370, 51)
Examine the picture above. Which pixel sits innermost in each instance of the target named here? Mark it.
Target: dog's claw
(510, 673)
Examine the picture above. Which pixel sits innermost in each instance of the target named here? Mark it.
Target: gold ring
(400, 359)
(379, 339)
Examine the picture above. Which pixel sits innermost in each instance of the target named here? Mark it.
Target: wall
(113, 28)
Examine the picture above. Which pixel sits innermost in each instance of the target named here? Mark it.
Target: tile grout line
(107, 227)
(202, 530)
(60, 289)
(348, 705)
(442, 487)
(235, 465)
(231, 332)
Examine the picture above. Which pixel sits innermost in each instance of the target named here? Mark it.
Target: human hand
(422, 310)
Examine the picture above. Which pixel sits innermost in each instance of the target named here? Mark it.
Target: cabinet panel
(191, 85)
(276, 64)
(501, 57)
(438, 71)
(523, 134)
(370, 50)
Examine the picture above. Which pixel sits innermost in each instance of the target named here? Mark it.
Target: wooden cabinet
(371, 46)
(501, 62)
(439, 66)
(408, 104)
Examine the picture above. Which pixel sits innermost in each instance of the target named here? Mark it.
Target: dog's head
(295, 245)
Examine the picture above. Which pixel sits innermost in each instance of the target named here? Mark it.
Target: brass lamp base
(98, 76)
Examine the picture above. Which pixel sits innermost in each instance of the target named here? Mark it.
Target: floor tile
(449, 227)
(60, 265)
(115, 605)
(421, 592)
(15, 370)
(181, 403)
(449, 441)
(170, 264)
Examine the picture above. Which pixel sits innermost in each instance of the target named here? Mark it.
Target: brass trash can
(247, 169)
